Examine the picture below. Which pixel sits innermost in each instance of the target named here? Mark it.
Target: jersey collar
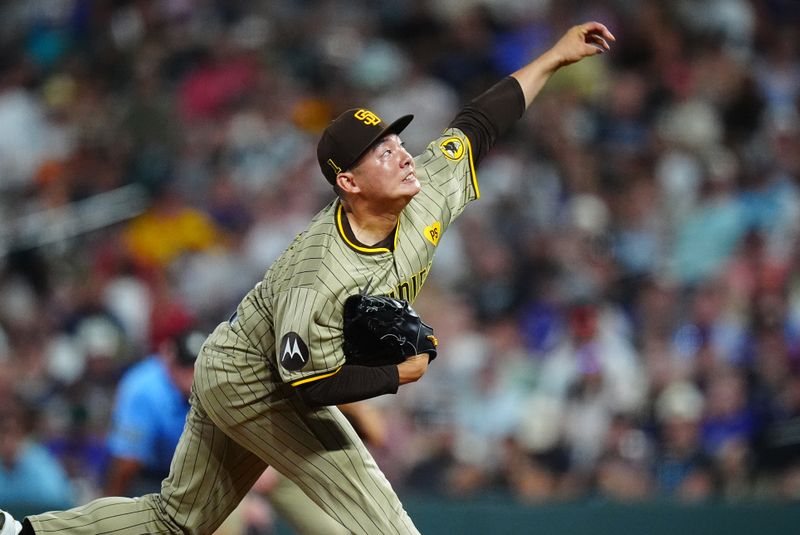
(386, 245)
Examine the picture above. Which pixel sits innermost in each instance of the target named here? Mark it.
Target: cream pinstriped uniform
(287, 331)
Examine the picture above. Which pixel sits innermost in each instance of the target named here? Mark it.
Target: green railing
(491, 516)
(436, 516)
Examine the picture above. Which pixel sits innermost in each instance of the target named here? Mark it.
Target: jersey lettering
(404, 291)
(408, 290)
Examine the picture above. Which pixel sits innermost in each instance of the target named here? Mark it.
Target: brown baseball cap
(349, 136)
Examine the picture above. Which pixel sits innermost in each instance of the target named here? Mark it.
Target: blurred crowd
(619, 314)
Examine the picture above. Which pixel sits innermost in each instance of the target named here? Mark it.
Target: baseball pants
(238, 425)
(303, 515)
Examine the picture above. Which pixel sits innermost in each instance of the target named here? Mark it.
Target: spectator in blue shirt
(31, 477)
(149, 413)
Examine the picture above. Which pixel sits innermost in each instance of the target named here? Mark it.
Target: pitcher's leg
(319, 450)
(209, 476)
(128, 516)
(338, 469)
(300, 512)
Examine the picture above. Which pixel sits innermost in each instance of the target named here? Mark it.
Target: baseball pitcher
(267, 380)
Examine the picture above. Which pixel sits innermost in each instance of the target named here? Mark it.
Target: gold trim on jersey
(361, 248)
(316, 377)
(472, 169)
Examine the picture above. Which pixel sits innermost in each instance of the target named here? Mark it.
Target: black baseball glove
(380, 330)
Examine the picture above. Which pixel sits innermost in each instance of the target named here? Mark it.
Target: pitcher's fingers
(597, 27)
(597, 41)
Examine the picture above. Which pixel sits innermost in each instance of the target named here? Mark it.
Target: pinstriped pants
(235, 428)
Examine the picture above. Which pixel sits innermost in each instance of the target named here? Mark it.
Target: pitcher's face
(386, 171)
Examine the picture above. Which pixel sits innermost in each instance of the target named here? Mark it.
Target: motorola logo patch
(293, 352)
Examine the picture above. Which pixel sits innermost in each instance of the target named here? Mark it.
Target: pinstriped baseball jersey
(294, 315)
(287, 330)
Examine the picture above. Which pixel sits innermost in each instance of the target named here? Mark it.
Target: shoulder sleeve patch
(293, 352)
(452, 148)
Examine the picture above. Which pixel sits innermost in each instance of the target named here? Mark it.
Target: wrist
(551, 61)
(411, 369)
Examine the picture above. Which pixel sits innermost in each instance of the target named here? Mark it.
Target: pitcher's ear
(347, 183)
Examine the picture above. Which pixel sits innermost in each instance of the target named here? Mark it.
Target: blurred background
(619, 314)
